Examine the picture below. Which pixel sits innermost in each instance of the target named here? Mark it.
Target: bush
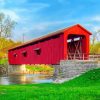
(95, 49)
(3, 61)
(39, 67)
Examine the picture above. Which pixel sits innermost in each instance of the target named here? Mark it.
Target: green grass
(39, 68)
(3, 61)
(84, 87)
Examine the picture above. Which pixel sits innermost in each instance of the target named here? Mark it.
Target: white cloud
(96, 28)
(35, 7)
(2, 3)
(19, 11)
(93, 27)
(24, 22)
(96, 32)
(13, 15)
(63, 1)
(54, 23)
(96, 18)
(43, 26)
(17, 1)
(13, 1)
(38, 29)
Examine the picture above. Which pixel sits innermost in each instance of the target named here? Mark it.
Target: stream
(25, 79)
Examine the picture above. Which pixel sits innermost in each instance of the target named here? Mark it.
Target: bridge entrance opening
(76, 47)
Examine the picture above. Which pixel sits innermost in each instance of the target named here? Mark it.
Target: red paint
(53, 48)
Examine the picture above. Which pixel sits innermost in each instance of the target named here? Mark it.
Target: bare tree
(95, 45)
(96, 37)
(6, 26)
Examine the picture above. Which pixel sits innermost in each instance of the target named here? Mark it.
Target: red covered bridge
(69, 43)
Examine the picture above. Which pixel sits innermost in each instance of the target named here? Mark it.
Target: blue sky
(39, 17)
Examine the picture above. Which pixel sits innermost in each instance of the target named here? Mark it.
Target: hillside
(84, 87)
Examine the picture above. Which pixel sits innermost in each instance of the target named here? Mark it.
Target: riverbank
(84, 87)
(5, 68)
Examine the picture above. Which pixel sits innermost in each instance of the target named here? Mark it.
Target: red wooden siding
(51, 52)
(49, 49)
(77, 30)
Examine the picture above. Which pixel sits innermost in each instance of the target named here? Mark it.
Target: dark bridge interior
(75, 48)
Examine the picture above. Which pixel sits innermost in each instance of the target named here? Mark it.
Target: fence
(83, 56)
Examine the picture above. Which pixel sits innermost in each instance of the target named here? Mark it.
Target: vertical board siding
(53, 48)
(51, 52)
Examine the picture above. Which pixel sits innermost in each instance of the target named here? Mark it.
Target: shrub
(38, 67)
(3, 61)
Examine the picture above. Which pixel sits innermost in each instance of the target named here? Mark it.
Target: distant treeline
(95, 48)
(6, 44)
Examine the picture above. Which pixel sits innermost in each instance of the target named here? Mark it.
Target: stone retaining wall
(17, 69)
(3, 69)
(21, 69)
(72, 68)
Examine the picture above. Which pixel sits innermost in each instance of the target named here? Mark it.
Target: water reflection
(25, 79)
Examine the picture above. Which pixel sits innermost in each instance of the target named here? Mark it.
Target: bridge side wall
(70, 69)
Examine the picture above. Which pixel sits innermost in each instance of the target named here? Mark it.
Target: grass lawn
(38, 68)
(85, 87)
(3, 61)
